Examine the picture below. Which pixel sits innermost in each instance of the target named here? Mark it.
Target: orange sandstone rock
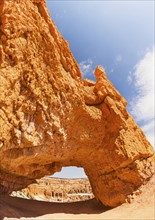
(51, 118)
(57, 190)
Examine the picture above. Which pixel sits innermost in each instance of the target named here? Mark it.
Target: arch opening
(71, 184)
(70, 172)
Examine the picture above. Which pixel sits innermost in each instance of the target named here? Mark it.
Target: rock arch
(51, 118)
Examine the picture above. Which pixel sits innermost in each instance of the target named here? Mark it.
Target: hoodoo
(50, 118)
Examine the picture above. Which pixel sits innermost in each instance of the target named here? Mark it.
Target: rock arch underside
(51, 118)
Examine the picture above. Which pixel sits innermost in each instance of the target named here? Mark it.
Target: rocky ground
(141, 208)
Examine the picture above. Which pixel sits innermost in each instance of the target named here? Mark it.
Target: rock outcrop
(57, 190)
(51, 118)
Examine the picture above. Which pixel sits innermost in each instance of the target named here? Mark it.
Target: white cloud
(147, 127)
(142, 105)
(149, 130)
(129, 79)
(112, 70)
(118, 58)
(86, 67)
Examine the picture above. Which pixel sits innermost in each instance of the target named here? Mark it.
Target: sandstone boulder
(51, 118)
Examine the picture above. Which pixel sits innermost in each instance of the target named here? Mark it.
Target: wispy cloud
(142, 105)
(111, 71)
(129, 78)
(118, 59)
(86, 67)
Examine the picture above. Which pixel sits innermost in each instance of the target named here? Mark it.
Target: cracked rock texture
(51, 118)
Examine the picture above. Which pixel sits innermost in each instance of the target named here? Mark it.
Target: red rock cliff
(51, 118)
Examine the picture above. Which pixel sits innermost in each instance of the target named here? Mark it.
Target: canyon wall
(57, 190)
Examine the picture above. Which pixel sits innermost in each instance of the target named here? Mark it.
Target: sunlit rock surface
(57, 190)
(51, 118)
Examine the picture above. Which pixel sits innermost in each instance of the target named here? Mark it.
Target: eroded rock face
(51, 118)
(57, 190)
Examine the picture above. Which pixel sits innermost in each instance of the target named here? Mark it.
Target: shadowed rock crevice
(50, 118)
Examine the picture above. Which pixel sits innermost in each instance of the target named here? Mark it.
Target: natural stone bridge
(51, 118)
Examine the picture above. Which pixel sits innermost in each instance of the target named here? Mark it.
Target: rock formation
(51, 118)
(57, 190)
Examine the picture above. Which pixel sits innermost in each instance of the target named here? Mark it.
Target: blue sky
(118, 35)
